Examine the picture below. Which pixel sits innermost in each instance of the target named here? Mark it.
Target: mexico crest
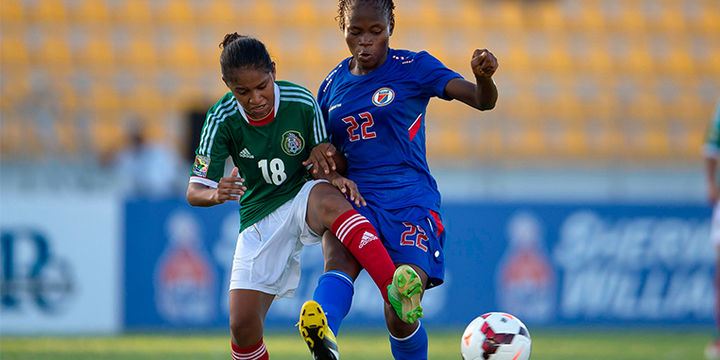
(292, 142)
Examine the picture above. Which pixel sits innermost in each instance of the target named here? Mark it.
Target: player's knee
(330, 203)
(246, 328)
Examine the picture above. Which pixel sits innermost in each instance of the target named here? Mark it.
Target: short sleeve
(322, 97)
(712, 139)
(209, 165)
(432, 74)
(318, 128)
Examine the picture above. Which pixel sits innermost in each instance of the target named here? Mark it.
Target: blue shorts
(411, 236)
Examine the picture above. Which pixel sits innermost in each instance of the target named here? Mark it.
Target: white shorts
(267, 253)
(715, 225)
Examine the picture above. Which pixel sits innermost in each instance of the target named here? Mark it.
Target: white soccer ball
(496, 336)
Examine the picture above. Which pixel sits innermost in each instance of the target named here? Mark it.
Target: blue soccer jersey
(377, 121)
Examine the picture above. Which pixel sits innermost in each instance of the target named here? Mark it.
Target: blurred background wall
(602, 103)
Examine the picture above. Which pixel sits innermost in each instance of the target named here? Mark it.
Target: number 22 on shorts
(413, 236)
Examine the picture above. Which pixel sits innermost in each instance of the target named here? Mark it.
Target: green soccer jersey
(712, 140)
(268, 156)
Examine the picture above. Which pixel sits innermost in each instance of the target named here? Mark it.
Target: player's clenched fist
(483, 63)
(230, 188)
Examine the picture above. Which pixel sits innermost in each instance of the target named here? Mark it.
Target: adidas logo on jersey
(367, 237)
(245, 153)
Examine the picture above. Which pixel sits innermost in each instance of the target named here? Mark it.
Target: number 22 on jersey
(364, 131)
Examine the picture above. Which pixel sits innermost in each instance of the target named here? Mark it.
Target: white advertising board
(60, 259)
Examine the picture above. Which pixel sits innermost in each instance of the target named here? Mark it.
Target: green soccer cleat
(317, 334)
(404, 294)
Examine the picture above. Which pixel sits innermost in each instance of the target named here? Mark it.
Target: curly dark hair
(386, 6)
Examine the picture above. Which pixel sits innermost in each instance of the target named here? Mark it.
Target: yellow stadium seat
(12, 11)
(598, 57)
(12, 131)
(545, 15)
(709, 21)
(141, 52)
(48, 11)
(177, 12)
(54, 50)
(632, 18)
(583, 15)
(13, 49)
(98, 51)
(639, 59)
(263, 12)
(181, 54)
(470, 15)
(218, 13)
(134, 11)
(146, 99)
(304, 14)
(104, 97)
(508, 14)
(91, 12)
(678, 60)
(669, 20)
(107, 132)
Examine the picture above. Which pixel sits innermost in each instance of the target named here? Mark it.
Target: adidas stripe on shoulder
(227, 107)
(296, 93)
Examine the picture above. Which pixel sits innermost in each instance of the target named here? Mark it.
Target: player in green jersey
(711, 152)
(269, 128)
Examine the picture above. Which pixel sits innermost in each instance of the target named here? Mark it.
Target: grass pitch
(547, 344)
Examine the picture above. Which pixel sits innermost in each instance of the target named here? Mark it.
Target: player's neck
(259, 122)
(357, 69)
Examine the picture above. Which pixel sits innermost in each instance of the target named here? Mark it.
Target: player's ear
(225, 81)
(391, 27)
(273, 72)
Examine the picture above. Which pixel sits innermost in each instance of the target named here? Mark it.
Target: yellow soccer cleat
(316, 332)
(404, 294)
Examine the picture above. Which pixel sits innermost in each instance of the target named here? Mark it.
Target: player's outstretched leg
(315, 331)
(405, 293)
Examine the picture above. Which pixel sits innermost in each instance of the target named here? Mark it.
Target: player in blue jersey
(374, 104)
(269, 128)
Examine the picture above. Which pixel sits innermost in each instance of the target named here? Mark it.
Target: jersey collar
(276, 89)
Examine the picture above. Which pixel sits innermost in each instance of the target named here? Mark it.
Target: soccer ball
(496, 336)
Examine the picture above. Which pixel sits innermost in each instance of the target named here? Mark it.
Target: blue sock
(413, 347)
(334, 293)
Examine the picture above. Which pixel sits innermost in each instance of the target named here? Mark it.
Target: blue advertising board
(549, 264)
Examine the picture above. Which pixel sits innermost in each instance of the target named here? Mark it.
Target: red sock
(359, 236)
(255, 352)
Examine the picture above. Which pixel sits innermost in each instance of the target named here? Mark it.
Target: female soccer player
(268, 128)
(374, 104)
(711, 151)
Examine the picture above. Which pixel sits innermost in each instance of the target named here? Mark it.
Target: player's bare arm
(711, 164)
(229, 188)
(483, 94)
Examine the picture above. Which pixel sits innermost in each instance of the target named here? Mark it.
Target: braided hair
(386, 6)
(242, 51)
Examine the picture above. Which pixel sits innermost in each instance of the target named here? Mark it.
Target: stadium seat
(48, 12)
(13, 49)
(178, 12)
(13, 11)
(133, 12)
(90, 12)
(54, 50)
